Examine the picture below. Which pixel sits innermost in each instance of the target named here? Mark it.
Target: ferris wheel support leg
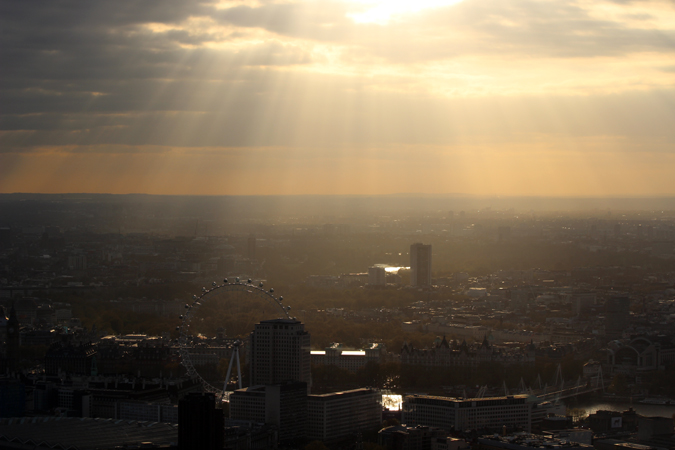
(229, 369)
(238, 368)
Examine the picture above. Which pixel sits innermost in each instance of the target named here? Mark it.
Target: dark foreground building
(200, 425)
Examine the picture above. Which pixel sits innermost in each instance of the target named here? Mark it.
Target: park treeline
(396, 376)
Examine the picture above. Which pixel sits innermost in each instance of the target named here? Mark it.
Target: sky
(480, 97)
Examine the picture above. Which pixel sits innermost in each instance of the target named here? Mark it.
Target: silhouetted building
(377, 276)
(455, 354)
(420, 265)
(450, 414)
(401, 437)
(283, 406)
(613, 421)
(582, 302)
(280, 352)
(337, 416)
(641, 354)
(200, 425)
(71, 359)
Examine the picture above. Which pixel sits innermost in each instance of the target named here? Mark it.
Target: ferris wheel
(242, 302)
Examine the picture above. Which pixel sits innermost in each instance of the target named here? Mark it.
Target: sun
(382, 11)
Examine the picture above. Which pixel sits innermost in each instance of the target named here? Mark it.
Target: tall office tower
(377, 276)
(280, 352)
(201, 425)
(420, 265)
(617, 316)
(582, 302)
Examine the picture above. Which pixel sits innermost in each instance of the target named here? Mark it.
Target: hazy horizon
(336, 206)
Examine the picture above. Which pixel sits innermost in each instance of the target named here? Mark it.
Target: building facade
(280, 352)
(283, 406)
(447, 413)
(341, 415)
(463, 355)
(377, 276)
(420, 265)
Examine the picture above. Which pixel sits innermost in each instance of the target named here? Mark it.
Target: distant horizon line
(398, 194)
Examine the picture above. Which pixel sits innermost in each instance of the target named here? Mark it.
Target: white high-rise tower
(280, 352)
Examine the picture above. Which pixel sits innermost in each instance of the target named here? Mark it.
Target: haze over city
(480, 97)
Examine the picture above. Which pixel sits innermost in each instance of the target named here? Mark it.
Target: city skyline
(541, 98)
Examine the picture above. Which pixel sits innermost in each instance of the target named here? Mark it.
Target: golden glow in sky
(525, 97)
(382, 11)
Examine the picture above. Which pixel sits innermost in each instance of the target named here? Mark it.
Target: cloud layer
(313, 88)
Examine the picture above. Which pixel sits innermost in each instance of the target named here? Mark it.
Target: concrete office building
(280, 352)
(338, 416)
(282, 405)
(447, 413)
(420, 265)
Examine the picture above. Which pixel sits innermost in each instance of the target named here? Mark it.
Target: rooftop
(84, 433)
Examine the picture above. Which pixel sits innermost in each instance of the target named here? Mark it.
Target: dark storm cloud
(84, 72)
(71, 48)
